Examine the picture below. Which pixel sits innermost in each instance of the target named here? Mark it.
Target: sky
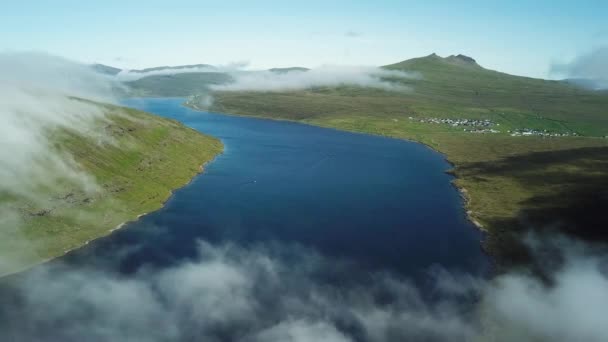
(518, 37)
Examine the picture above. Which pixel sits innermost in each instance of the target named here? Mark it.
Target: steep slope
(511, 183)
(143, 158)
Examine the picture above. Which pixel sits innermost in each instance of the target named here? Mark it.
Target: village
(536, 132)
(472, 125)
(485, 126)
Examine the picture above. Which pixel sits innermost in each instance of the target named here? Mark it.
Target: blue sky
(519, 37)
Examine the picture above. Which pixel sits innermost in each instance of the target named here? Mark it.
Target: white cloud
(129, 75)
(133, 75)
(592, 66)
(325, 76)
(252, 294)
(35, 101)
(35, 92)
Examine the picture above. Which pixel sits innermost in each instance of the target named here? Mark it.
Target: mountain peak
(461, 59)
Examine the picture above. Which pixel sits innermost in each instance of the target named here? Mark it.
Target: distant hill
(177, 67)
(286, 70)
(184, 82)
(106, 69)
(177, 85)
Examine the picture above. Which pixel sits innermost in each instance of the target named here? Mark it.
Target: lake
(294, 230)
(382, 203)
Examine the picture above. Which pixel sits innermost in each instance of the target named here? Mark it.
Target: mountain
(463, 85)
(433, 60)
(553, 176)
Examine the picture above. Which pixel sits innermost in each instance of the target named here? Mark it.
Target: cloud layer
(133, 75)
(592, 66)
(37, 99)
(129, 75)
(325, 76)
(282, 293)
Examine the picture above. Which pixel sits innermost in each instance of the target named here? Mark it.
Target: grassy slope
(149, 157)
(509, 181)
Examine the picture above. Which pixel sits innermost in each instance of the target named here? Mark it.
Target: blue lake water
(381, 203)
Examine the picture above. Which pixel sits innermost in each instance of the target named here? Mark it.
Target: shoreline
(461, 190)
(200, 171)
(109, 232)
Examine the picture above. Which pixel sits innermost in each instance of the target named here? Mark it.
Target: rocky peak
(462, 59)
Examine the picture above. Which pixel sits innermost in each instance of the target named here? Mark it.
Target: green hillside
(466, 89)
(554, 178)
(147, 159)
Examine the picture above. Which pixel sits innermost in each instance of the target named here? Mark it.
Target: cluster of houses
(457, 122)
(485, 126)
(536, 132)
(472, 125)
(481, 130)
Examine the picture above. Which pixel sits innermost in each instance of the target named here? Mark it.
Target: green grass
(148, 158)
(500, 196)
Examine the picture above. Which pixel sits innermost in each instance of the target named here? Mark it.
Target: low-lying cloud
(37, 98)
(231, 293)
(266, 80)
(134, 75)
(325, 76)
(592, 66)
(130, 75)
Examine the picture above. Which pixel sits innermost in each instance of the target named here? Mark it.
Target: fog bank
(281, 293)
(325, 76)
(37, 98)
(591, 66)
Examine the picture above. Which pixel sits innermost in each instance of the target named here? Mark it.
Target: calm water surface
(381, 203)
